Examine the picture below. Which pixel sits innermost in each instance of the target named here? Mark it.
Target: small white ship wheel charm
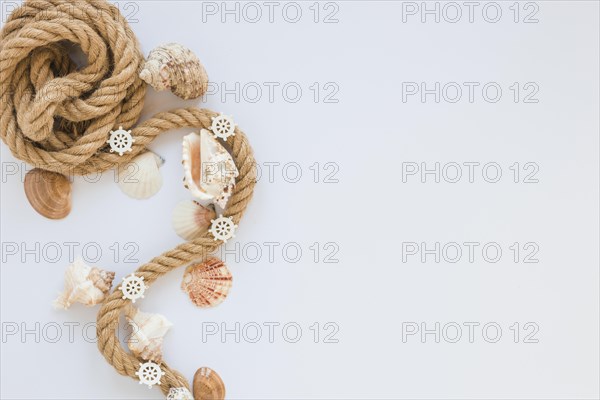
(133, 287)
(120, 141)
(149, 374)
(223, 228)
(222, 126)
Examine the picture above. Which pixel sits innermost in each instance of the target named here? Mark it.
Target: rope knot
(54, 115)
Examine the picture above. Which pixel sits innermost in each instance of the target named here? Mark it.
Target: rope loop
(54, 115)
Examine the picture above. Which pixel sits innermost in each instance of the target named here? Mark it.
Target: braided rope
(52, 115)
(58, 118)
(113, 306)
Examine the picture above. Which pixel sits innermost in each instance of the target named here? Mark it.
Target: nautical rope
(57, 117)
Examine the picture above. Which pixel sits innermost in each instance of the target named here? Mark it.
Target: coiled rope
(57, 117)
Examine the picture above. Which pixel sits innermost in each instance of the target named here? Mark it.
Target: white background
(368, 135)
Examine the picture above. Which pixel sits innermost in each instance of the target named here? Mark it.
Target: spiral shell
(208, 385)
(209, 169)
(207, 283)
(49, 193)
(172, 66)
(148, 332)
(85, 285)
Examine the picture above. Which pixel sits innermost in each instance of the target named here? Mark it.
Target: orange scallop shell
(207, 283)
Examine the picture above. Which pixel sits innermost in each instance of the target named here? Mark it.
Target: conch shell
(49, 193)
(85, 285)
(207, 283)
(208, 385)
(148, 333)
(191, 219)
(209, 169)
(140, 178)
(175, 67)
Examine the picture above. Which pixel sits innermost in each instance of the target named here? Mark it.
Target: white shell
(141, 178)
(191, 219)
(179, 393)
(209, 169)
(148, 333)
(85, 285)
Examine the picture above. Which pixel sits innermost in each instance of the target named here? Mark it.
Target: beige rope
(108, 317)
(58, 118)
(54, 116)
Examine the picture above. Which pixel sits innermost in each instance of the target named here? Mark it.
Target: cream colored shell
(175, 67)
(209, 169)
(85, 285)
(141, 178)
(180, 393)
(191, 219)
(148, 333)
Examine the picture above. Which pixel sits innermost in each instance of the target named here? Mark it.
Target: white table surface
(370, 139)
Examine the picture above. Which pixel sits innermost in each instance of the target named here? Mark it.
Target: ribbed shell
(49, 193)
(191, 219)
(207, 283)
(141, 177)
(208, 385)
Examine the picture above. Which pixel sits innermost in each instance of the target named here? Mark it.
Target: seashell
(191, 219)
(180, 393)
(208, 385)
(207, 283)
(85, 285)
(209, 169)
(175, 67)
(140, 178)
(49, 193)
(148, 333)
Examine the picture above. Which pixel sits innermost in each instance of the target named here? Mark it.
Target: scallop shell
(175, 67)
(149, 331)
(208, 385)
(207, 283)
(141, 178)
(49, 193)
(191, 219)
(209, 169)
(84, 284)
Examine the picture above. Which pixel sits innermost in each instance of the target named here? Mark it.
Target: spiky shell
(49, 193)
(191, 219)
(207, 283)
(141, 177)
(85, 285)
(175, 67)
(208, 385)
(209, 169)
(148, 333)
(180, 393)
